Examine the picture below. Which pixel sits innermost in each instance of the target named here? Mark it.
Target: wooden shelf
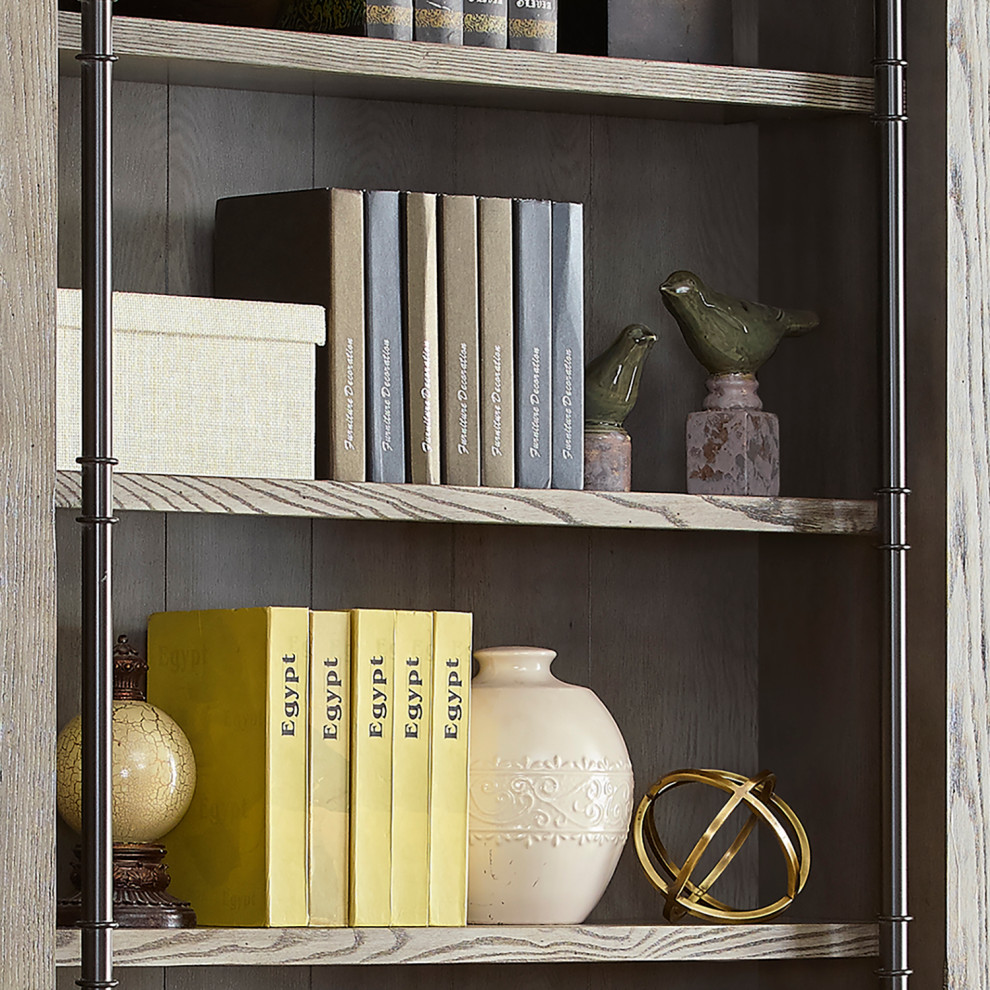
(292, 62)
(518, 506)
(507, 944)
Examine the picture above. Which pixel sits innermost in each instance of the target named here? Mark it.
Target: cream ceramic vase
(551, 793)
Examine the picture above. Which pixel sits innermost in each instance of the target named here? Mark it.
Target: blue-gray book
(567, 345)
(439, 21)
(385, 408)
(531, 235)
(486, 23)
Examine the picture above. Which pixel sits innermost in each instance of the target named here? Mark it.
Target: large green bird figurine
(729, 335)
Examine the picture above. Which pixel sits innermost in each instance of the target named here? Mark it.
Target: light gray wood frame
(27, 545)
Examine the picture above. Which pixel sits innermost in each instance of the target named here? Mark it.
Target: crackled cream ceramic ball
(153, 772)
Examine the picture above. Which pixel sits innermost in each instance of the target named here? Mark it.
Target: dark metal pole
(891, 119)
(97, 498)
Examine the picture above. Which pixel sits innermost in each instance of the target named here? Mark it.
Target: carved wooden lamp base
(140, 879)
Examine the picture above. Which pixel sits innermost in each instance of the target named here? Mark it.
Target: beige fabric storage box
(219, 387)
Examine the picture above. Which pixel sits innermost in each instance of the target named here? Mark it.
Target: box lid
(200, 316)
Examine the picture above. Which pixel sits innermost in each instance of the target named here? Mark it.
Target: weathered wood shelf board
(508, 944)
(517, 506)
(292, 62)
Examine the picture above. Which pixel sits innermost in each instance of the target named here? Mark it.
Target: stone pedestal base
(607, 460)
(733, 452)
(140, 898)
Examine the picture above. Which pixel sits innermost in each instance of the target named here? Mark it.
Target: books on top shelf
(455, 328)
(331, 751)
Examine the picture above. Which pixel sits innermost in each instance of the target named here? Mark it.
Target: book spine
(460, 402)
(422, 339)
(345, 318)
(531, 234)
(449, 768)
(567, 345)
(287, 806)
(498, 469)
(329, 766)
(385, 408)
(389, 19)
(485, 23)
(440, 21)
(411, 768)
(533, 25)
(372, 658)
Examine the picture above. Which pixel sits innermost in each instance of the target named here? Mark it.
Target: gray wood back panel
(225, 143)
(237, 978)
(664, 197)
(817, 37)
(127, 979)
(818, 250)
(820, 670)
(673, 656)
(139, 146)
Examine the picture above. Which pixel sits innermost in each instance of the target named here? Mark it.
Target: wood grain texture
(225, 143)
(128, 979)
(27, 538)
(234, 57)
(673, 656)
(139, 143)
(505, 944)
(433, 503)
(665, 197)
(967, 880)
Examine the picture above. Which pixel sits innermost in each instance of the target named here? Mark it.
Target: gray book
(533, 360)
(486, 23)
(385, 409)
(533, 25)
(460, 401)
(567, 344)
(439, 21)
(374, 18)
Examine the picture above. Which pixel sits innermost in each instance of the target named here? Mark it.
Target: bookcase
(723, 632)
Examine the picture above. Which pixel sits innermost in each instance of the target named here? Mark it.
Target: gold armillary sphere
(685, 897)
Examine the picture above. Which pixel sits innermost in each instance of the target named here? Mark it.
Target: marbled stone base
(607, 460)
(733, 452)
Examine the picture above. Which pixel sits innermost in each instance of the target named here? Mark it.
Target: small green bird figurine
(729, 335)
(611, 381)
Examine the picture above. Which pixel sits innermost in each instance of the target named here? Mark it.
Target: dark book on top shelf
(385, 406)
(306, 246)
(486, 23)
(378, 19)
(531, 233)
(533, 25)
(704, 31)
(439, 21)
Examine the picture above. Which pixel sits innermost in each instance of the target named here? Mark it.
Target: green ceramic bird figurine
(611, 381)
(729, 335)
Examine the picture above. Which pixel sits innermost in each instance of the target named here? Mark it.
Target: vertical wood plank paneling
(237, 978)
(927, 563)
(665, 196)
(818, 250)
(674, 626)
(968, 507)
(820, 671)
(816, 37)
(27, 537)
(225, 143)
(128, 979)
(365, 144)
(139, 146)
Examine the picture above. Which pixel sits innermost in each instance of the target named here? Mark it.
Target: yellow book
(411, 768)
(235, 681)
(329, 766)
(372, 649)
(449, 768)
